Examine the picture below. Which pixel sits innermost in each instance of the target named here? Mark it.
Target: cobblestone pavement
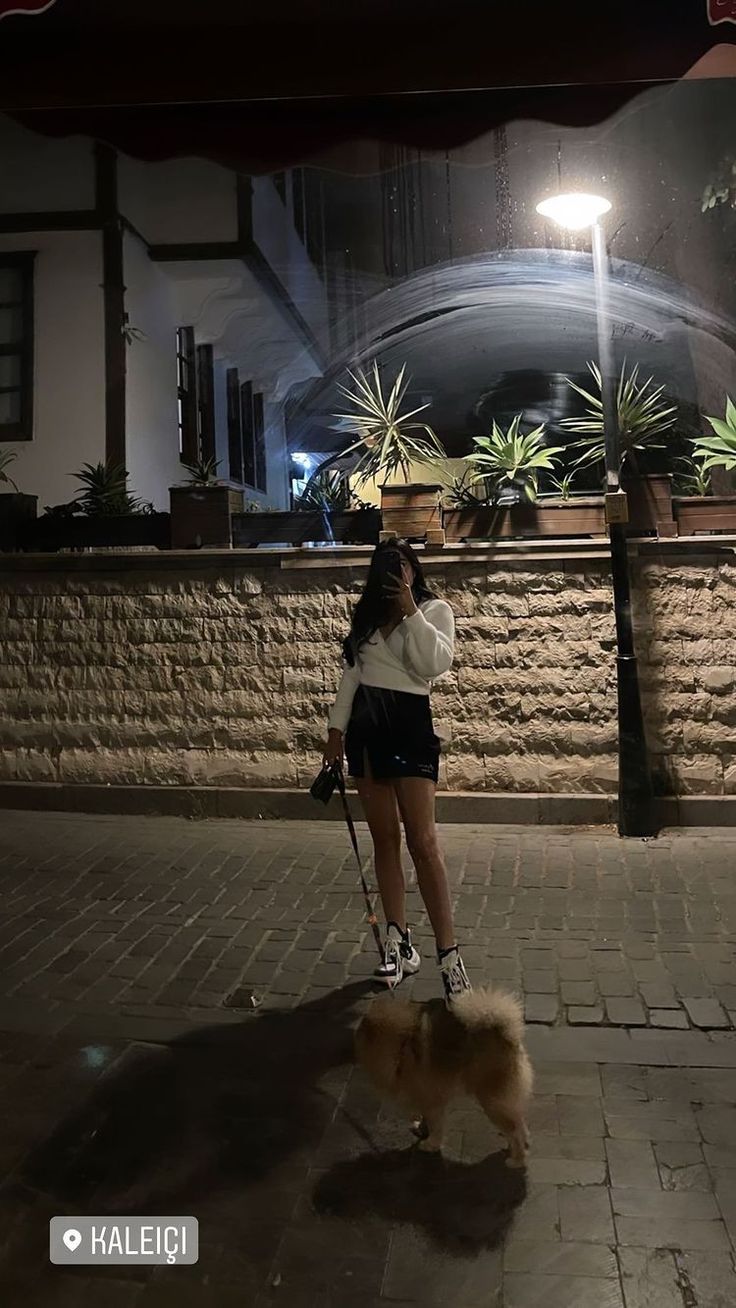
(138, 1077)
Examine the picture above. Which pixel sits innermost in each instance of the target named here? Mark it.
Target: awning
(259, 91)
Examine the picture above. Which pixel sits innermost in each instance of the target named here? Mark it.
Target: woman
(401, 639)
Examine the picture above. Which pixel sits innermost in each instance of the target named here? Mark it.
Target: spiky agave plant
(388, 442)
(511, 461)
(6, 458)
(719, 450)
(640, 414)
(105, 490)
(203, 472)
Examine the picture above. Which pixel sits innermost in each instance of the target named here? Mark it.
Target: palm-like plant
(6, 458)
(388, 441)
(105, 490)
(641, 416)
(203, 472)
(510, 461)
(691, 477)
(461, 492)
(719, 450)
(327, 491)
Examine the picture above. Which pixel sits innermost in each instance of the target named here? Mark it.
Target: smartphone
(389, 568)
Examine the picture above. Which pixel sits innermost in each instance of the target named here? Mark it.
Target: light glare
(574, 211)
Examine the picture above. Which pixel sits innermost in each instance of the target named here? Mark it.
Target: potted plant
(104, 515)
(698, 509)
(16, 509)
(203, 508)
(642, 419)
(506, 466)
(390, 444)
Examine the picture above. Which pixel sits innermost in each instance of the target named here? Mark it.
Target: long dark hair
(374, 607)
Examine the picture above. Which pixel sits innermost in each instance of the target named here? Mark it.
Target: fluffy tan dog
(425, 1056)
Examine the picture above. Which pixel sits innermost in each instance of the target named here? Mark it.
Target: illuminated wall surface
(439, 261)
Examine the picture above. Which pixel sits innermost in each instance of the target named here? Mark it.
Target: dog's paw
(516, 1163)
(430, 1146)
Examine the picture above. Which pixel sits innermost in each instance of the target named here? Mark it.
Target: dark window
(234, 425)
(16, 347)
(186, 382)
(246, 420)
(259, 441)
(206, 401)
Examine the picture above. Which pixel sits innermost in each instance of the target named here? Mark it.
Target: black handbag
(323, 786)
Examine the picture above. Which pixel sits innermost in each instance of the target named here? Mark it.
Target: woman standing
(401, 639)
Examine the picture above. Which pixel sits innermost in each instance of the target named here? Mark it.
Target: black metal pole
(635, 801)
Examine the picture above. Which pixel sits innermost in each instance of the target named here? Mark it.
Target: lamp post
(635, 807)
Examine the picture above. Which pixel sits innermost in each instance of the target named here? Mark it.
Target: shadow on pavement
(219, 1108)
(462, 1207)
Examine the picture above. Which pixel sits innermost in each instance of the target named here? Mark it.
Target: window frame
(24, 262)
(188, 411)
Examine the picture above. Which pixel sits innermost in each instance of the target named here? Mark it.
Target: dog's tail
(491, 1010)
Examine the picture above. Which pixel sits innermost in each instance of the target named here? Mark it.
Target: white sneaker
(400, 958)
(454, 976)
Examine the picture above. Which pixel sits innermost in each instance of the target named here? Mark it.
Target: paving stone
(710, 1279)
(682, 1167)
(668, 1018)
(625, 1012)
(561, 1258)
(526, 1290)
(592, 1016)
(631, 1163)
(580, 1115)
(717, 1124)
(706, 1013)
(585, 1214)
(693, 1206)
(540, 1008)
(654, 1121)
(563, 1171)
(671, 1233)
(650, 1278)
(657, 994)
(580, 1078)
(578, 992)
(540, 982)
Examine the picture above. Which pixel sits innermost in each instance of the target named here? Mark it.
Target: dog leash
(372, 919)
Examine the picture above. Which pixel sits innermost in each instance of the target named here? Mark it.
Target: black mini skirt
(394, 729)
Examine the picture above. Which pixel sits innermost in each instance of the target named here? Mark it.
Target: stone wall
(198, 671)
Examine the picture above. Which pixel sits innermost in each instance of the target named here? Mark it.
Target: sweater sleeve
(430, 639)
(341, 709)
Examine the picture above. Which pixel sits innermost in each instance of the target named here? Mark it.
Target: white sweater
(418, 651)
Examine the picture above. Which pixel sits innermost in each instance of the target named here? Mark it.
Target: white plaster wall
(40, 173)
(178, 200)
(152, 432)
(277, 238)
(69, 364)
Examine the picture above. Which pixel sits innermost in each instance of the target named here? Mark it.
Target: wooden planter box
(17, 511)
(650, 504)
(126, 531)
(414, 511)
(294, 527)
(202, 516)
(573, 517)
(705, 513)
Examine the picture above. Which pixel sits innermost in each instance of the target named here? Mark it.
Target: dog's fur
(425, 1056)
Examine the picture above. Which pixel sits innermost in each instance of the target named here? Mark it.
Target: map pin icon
(72, 1239)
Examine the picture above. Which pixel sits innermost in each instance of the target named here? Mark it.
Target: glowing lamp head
(574, 211)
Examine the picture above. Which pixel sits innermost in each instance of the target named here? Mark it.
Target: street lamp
(635, 810)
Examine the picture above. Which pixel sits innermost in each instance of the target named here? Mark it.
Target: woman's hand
(401, 591)
(333, 751)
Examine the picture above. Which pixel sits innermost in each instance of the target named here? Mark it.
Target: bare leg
(382, 815)
(416, 798)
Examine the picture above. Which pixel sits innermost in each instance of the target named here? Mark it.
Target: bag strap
(372, 919)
